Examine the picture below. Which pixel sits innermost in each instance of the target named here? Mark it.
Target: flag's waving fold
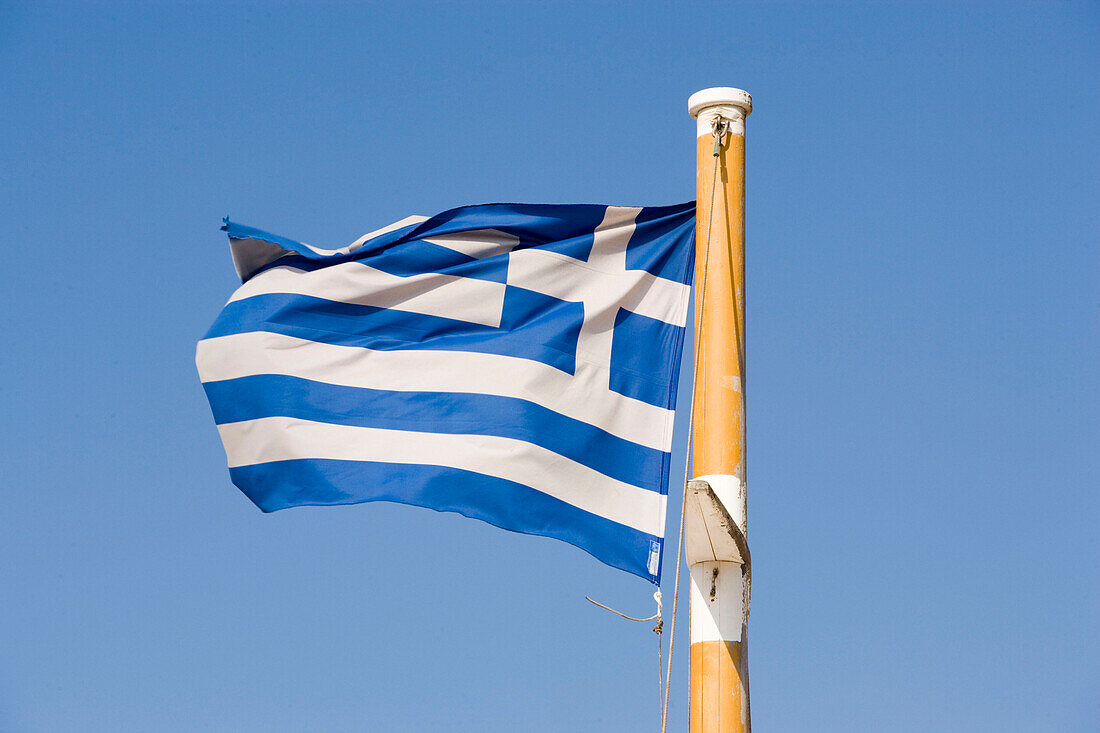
(515, 363)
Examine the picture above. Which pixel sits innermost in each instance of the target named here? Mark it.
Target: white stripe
(432, 294)
(414, 219)
(717, 602)
(251, 254)
(730, 490)
(282, 438)
(479, 244)
(584, 396)
(560, 276)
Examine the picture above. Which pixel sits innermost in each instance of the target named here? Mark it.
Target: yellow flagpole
(715, 513)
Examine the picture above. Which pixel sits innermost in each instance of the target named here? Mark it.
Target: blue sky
(923, 390)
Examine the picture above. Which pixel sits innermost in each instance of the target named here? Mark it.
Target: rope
(656, 597)
(718, 128)
(660, 664)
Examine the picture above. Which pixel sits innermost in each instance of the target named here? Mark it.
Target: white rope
(718, 129)
(657, 628)
(656, 597)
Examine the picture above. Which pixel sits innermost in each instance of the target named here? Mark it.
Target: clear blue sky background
(923, 385)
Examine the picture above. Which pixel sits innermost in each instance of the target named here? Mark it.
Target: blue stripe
(534, 326)
(663, 243)
(394, 262)
(271, 395)
(417, 257)
(563, 228)
(242, 236)
(660, 245)
(640, 364)
(506, 504)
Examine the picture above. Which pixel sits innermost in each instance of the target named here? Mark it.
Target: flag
(515, 363)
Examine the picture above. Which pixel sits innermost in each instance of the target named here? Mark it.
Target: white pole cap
(732, 104)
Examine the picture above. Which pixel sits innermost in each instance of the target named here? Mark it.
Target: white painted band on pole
(732, 104)
(717, 602)
(730, 490)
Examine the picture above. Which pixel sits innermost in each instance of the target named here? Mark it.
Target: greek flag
(516, 363)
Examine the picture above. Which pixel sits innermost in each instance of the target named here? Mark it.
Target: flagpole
(715, 510)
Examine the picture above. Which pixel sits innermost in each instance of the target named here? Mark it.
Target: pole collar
(732, 104)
